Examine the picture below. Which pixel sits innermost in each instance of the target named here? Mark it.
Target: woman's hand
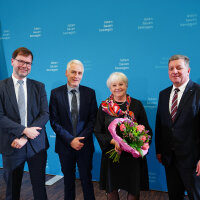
(117, 147)
(198, 168)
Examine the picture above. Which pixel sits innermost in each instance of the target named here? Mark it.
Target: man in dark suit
(73, 109)
(177, 134)
(23, 115)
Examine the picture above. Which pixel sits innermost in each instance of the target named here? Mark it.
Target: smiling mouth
(24, 71)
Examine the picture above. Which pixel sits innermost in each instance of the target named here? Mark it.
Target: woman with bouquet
(130, 174)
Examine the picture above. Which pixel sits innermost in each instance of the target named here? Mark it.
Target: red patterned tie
(174, 104)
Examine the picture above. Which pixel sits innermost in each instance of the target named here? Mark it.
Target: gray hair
(117, 76)
(177, 57)
(78, 62)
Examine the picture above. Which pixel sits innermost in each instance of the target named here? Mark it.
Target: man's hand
(19, 143)
(32, 132)
(76, 144)
(159, 158)
(198, 168)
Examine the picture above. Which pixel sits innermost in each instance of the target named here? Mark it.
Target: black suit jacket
(37, 115)
(182, 136)
(60, 117)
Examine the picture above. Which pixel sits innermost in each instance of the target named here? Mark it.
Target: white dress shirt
(16, 86)
(180, 94)
(69, 89)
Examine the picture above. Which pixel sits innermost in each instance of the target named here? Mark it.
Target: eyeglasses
(22, 63)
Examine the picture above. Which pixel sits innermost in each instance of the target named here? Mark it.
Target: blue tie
(21, 102)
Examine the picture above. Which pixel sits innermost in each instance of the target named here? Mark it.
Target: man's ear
(66, 73)
(12, 60)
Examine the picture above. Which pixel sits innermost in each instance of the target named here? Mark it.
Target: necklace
(119, 104)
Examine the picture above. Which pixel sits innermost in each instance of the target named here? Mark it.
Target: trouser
(13, 166)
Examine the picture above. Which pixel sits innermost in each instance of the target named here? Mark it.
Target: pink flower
(125, 144)
(143, 138)
(122, 127)
(140, 128)
(145, 146)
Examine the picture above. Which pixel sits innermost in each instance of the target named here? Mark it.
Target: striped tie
(174, 104)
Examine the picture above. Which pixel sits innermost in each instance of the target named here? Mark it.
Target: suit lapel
(168, 92)
(82, 99)
(30, 97)
(66, 101)
(11, 94)
(187, 93)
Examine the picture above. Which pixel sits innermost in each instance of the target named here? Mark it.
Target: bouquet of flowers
(131, 137)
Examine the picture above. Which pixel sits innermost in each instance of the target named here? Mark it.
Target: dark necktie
(174, 104)
(21, 102)
(74, 111)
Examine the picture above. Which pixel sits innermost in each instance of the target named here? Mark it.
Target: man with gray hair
(73, 109)
(177, 134)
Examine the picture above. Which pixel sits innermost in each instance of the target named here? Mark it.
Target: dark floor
(55, 191)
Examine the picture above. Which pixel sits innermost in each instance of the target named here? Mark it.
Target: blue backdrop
(134, 37)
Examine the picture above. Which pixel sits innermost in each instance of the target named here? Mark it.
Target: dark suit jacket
(37, 115)
(60, 117)
(184, 134)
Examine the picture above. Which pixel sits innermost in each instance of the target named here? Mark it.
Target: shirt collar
(182, 87)
(69, 89)
(15, 80)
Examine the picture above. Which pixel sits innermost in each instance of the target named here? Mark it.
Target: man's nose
(24, 65)
(175, 70)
